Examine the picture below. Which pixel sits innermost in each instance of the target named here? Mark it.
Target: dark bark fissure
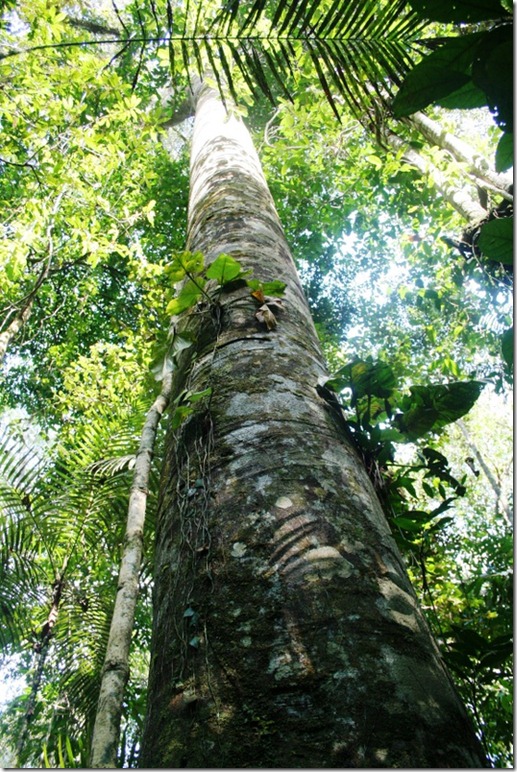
(286, 632)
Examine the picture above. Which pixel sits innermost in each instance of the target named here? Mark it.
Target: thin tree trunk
(462, 152)
(115, 672)
(25, 306)
(286, 632)
(41, 647)
(494, 484)
(22, 315)
(468, 207)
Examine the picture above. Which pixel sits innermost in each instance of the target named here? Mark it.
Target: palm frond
(69, 530)
(358, 48)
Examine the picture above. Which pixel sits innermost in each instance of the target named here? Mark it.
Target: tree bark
(286, 632)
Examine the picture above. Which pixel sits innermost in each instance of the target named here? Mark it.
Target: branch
(470, 209)
(27, 303)
(93, 26)
(181, 113)
(462, 152)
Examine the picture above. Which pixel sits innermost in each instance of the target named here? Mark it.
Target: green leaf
(432, 407)
(504, 152)
(183, 264)
(391, 435)
(454, 400)
(181, 412)
(468, 97)
(498, 654)
(224, 269)
(496, 240)
(275, 288)
(187, 298)
(61, 757)
(507, 347)
(440, 524)
(198, 395)
(179, 344)
(69, 751)
(441, 73)
(364, 377)
(407, 524)
(467, 11)
(418, 515)
(492, 71)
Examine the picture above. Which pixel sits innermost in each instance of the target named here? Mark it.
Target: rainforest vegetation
(384, 131)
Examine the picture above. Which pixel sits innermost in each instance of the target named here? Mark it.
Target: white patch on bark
(284, 502)
(397, 605)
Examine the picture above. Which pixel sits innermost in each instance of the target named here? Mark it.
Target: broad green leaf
(183, 264)
(492, 72)
(418, 515)
(504, 152)
(179, 343)
(467, 97)
(496, 240)
(441, 73)
(432, 407)
(392, 435)
(454, 400)
(427, 84)
(416, 421)
(375, 379)
(467, 11)
(408, 524)
(224, 269)
(188, 296)
(375, 161)
(440, 524)
(507, 347)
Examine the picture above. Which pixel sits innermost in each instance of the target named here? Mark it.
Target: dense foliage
(94, 189)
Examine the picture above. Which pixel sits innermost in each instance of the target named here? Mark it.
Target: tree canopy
(411, 299)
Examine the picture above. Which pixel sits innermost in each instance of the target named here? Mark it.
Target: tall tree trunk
(286, 632)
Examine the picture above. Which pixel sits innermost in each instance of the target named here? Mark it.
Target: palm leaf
(69, 511)
(357, 49)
